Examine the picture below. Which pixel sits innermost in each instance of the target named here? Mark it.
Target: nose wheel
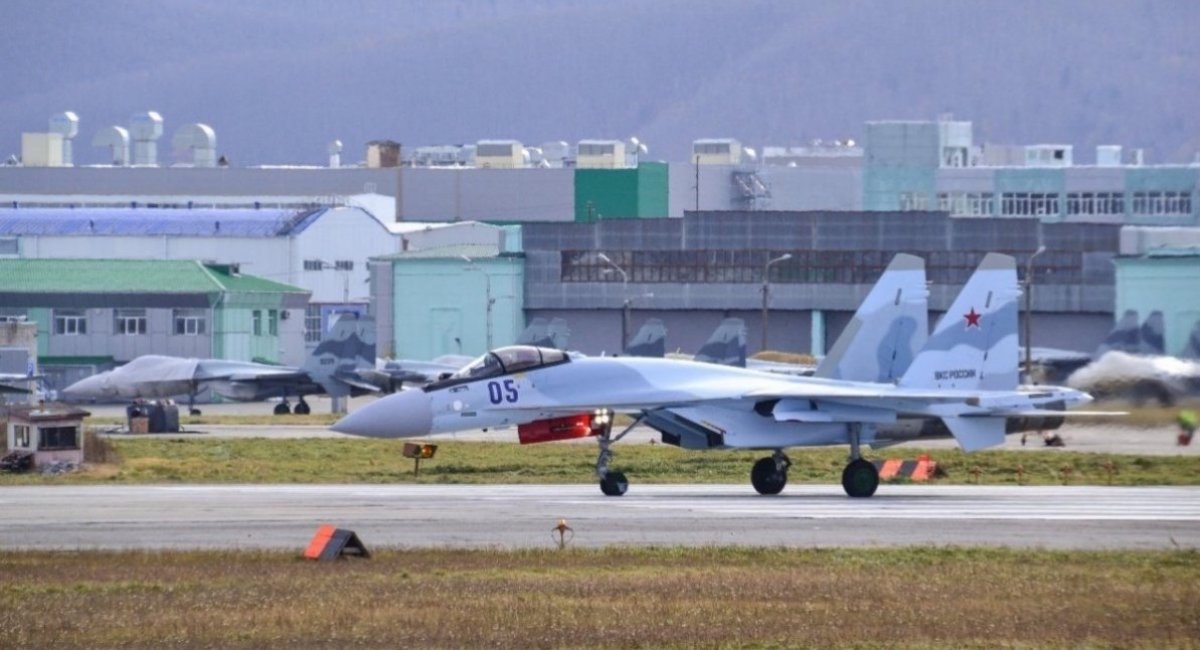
(612, 484)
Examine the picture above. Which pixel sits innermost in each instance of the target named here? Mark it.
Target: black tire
(860, 479)
(765, 478)
(614, 484)
(282, 409)
(194, 412)
(302, 409)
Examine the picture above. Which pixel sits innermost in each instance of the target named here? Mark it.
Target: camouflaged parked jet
(335, 367)
(880, 373)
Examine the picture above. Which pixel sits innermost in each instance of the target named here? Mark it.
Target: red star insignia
(972, 318)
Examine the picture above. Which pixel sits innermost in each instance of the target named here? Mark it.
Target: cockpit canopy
(502, 361)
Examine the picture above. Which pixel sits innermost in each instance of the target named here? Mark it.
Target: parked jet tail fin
(974, 434)
(554, 334)
(1192, 349)
(975, 343)
(1124, 336)
(650, 340)
(727, 345)
(888, 330)
(348, 345)
(1153, 334)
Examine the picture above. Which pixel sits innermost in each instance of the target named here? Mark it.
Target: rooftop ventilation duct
(198, 139)
(146, 128)
(65, 124)
(117, 140)
(335, 154)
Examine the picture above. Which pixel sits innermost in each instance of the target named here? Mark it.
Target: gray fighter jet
(964, 375)
(335, 367)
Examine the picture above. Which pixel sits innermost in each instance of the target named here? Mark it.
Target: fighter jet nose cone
(86, 387)
(402, 415)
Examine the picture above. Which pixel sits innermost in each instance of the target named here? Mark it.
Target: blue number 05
(506, 393)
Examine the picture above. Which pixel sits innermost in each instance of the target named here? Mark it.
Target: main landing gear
(612, 484)
(860, 479)
(283, 408)
(769, 475)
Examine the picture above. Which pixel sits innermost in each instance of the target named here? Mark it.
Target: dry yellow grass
(944, 598)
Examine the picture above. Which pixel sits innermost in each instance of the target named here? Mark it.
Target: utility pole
(697, 183)
(624, 296)
(766, 291)
(1029, 312)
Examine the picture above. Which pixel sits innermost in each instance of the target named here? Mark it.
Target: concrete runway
(286, 516)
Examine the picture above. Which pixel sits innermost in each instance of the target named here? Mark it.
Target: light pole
(766, 291)
(487, 287)
(1029, 312)
(625, 298)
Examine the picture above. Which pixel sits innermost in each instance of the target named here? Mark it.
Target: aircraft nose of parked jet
(87, 387)
(401, 415)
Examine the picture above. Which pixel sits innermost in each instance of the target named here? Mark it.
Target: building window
(129, 321)
(967, 204)
(12, 315)
(273, 322)
(1163, 203)
(312, 324)
(59, 438)
(257, 322)
(1028, 204)
(910, 201)
(70, 322)
(190, 322)
(21, 435)
(8, 246)
(313, 265)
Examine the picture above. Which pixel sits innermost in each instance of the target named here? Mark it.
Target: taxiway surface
(285, 516)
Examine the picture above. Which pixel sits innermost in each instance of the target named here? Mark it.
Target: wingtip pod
(888, 329)
(975, 343)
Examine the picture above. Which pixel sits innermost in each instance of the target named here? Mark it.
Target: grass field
(325, 460)
(650, 598)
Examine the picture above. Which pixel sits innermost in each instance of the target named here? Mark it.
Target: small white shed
(53, 434)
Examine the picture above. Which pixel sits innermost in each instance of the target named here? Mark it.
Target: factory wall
(1167, 284)
(440, 305)
(500, 195)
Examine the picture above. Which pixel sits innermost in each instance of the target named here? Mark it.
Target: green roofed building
(95, 312)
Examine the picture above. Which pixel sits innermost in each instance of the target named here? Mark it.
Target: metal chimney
(65, 124)
(198, 139)
(335, 154)
(146, 128)
(117, 140)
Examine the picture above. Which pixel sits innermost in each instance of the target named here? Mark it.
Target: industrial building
(899, 165)
(461, 299)
(605, 231)
(322, 250)
(94, 313)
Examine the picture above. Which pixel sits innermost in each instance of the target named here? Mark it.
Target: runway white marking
(515, 515)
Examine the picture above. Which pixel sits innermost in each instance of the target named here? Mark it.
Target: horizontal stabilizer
(357, 382)
(977, 433)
